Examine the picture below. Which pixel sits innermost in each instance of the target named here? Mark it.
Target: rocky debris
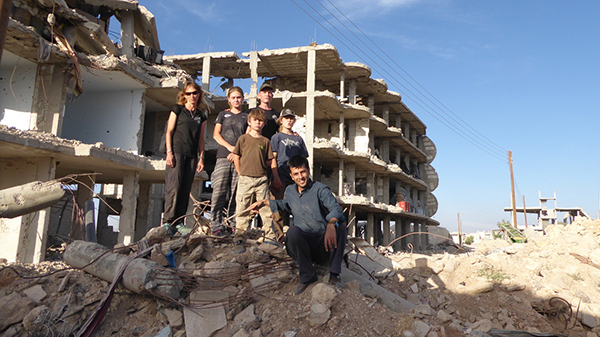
(548, 285)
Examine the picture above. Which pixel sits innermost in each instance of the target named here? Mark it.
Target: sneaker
(239, 247)
(221, 233)
(183, 229)
(336, 281)
(171, 230)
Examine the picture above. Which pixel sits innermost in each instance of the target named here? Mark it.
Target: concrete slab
(206, 314)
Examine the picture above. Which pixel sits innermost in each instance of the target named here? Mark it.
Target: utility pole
(459, 230)
(4, 14)
(513, 203)
(525, 211)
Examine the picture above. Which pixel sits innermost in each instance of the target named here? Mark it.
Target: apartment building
(363, 141)
(73, 103)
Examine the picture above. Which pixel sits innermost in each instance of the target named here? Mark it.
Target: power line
(467, 135)
(404, 71)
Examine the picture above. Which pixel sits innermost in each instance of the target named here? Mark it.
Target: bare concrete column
(370, 229)
(342, 84)
(352, 92)
(362, 141)
(406, 131)
(252, 102)
(386, 230)
(385, 153)
(131, 191)
(413, 138)
(386, 114)
(341, 130)
(310, 104)
(35, 227)
(398, 156)
(371, 105)
(49, 98)
(127, 33)
(399, 228)
(379, 189)
(206, 73)
(341, 178)
(157, 203)
(352, 223)
(386, 190)
(371, 186)
(351, 177)
(399, 122)
(141, 216)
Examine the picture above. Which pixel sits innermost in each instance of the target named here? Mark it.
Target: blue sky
(524, 74)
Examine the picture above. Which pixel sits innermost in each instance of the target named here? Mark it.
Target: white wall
(16, 112)
(114, 118)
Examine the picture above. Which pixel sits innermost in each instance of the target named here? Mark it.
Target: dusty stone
(484, 325)
(352, 286)
(246, 320)
(421, 262)
(196, 254)
(443, 316)
(175, 317)
(265, 282)
(424, 309)
(290, 334)
(481, 287)
(35, 293)
(319, 314)
(414, 288)
(120, 248)
(165, 332)
(155, 235)
(157, 256)
(64, 282)
(202, 321)
(323, 293)
(515, 287)
(587, 318)
(13, 331)
(38, 316)
(273, 250)
(420, 329)
(414, 299)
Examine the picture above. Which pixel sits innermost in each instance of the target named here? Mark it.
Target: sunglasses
(191, 93)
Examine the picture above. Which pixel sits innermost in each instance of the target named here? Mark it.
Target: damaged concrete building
(75, 103)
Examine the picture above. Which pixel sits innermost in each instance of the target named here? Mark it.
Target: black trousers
(178, 184)
(308, 248)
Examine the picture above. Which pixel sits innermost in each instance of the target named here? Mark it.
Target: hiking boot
(239, 247)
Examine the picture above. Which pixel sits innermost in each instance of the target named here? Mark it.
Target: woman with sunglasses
(185, 154)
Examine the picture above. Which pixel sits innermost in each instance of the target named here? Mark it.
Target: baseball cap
(266, 86)
(287, 112)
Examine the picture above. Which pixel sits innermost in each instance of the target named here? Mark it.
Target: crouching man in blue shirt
(319, 233)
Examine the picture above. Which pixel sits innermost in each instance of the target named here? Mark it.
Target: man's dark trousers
(306, 248)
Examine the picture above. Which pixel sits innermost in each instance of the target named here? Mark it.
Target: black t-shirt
(187, 130)
(232, 127)
(271, 125)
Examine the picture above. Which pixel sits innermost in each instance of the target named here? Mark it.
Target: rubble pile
(547, 285)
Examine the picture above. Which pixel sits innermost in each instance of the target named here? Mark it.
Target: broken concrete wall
(110, 117)
(24, 237)
(16, 91)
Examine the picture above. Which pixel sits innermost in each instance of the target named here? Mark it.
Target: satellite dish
(429, 149)
(431, 177)
(431, 205)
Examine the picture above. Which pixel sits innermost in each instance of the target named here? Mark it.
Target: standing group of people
(259, 158)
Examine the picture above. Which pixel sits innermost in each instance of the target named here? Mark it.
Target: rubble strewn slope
(551, 284)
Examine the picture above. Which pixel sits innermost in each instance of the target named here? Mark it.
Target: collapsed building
(73, 103)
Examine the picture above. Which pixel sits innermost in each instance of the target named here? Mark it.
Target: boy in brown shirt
(253, 157)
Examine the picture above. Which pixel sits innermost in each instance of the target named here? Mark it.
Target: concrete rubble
(548, 285)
